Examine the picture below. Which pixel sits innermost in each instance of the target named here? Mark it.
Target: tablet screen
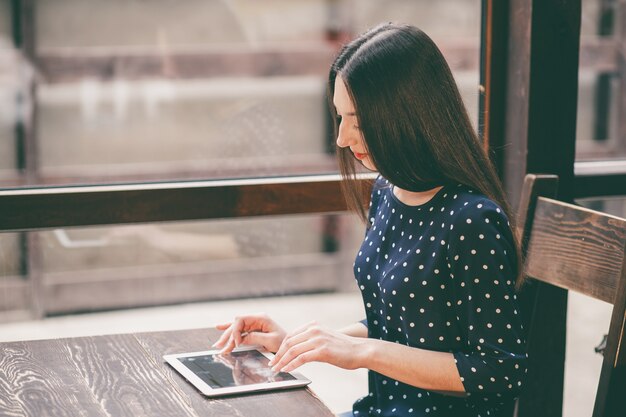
(234, 369)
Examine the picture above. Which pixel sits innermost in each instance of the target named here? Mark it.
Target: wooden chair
(569, 248)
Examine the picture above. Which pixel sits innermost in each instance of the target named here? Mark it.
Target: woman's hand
(312, 343)
(255, 329)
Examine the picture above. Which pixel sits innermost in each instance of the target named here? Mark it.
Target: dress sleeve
(483, 267)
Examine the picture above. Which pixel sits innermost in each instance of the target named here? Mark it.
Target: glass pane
(601, 132)
(162, 129)
(174, 243)
(10, 87)
(588, 321)
(99, 268)
(10, 255)
(15, 295)
(615, 206)
(5, 20)
(132, 90)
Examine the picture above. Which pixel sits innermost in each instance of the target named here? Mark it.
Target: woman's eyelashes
(339, 119)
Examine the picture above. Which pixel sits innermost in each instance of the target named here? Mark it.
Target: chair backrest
(569, 248)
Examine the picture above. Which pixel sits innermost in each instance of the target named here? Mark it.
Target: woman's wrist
(367, 353)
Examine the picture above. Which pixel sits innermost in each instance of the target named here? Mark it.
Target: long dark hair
(414, 123)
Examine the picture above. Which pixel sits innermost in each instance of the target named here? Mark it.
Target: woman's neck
(415, 198)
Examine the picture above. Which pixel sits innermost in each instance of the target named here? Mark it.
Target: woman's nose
(344, 139)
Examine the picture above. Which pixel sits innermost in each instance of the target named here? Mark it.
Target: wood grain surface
(125, 375)
(569, 245)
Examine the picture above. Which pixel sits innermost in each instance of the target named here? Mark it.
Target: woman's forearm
(435, 371)
(355, 330)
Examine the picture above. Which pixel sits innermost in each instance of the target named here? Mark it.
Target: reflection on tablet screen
(234, 369)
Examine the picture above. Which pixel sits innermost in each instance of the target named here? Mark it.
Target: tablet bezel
(173, 359)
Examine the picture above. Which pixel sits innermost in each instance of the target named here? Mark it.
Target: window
(169, 92)
(134, 91)
(600, 129)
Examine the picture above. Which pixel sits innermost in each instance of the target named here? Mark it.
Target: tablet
(243, 370)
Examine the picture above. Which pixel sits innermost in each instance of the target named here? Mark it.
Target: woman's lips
(360, 155)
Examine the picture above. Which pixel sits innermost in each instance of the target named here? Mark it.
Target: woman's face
(350, 134)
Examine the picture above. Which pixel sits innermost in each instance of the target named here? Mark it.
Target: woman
(438, 266)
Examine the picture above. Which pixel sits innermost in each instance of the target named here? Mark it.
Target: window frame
(57, 207)
(531, 97)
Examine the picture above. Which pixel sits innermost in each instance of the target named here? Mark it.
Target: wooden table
(125, 375)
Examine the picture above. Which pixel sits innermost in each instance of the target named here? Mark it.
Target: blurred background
(132, 91)
(128, 91)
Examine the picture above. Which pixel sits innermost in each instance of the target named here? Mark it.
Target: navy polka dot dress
(441, 276)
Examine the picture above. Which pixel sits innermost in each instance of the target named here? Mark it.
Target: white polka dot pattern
(440, 276)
